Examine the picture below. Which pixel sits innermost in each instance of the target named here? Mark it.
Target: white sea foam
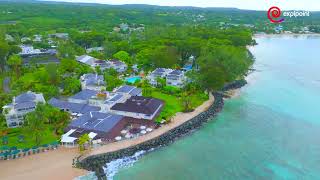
(113, 167)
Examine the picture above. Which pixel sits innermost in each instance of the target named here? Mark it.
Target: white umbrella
(128, 136)
(143, 132)
(124, 132)
(142, 127)
(118, 138)
(149, 129)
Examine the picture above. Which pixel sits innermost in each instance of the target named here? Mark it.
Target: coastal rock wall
(94, 163)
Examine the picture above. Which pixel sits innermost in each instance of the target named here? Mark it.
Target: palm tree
(35, 126)
(82, 141)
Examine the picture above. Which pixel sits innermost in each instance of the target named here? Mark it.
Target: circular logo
(274, 13)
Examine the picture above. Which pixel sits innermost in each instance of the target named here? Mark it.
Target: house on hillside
(20, 106)
(83, 96)
(139, 107)
(64, 36)
(85, 59)
(176, 78)
(158, 73)
(119, 66)
(92, 82)
(37, 38)
(98, 49)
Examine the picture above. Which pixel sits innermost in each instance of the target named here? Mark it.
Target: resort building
(119, 66)
(99, 126)
(28, 50)
(93, 62)
(105, 100)
(92, 82)
(128, 91)
(104, 127)
(176, 78)
(64, 36)
(37, 38)
(85, 59)
(75, 109)
(83, 96)
(158, 73)
(138, 107)
(97, 49)
(20, 106)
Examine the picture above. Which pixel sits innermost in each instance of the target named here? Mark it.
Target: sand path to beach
(57, 164)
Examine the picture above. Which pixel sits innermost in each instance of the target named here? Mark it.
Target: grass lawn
(173, 103)
(29, 142)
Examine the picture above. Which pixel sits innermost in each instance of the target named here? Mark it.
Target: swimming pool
(133, 79)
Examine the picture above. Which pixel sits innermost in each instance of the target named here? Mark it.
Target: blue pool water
(133, 79)
(270, 131)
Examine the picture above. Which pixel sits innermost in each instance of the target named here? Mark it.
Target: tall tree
(35, 125)
(15, 63)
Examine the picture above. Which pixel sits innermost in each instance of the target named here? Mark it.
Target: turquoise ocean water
(270, 131)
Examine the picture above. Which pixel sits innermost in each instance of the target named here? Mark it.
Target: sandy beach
(57, 164)
(53, 164)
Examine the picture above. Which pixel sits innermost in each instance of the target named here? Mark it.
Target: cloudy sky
(242, 4)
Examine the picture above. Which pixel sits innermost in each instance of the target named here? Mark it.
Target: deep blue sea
(270, 131)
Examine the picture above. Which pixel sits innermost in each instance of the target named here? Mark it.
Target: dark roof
(84, 94)
(73, 107)
(139, 104)
(96, 122)
(25, 97)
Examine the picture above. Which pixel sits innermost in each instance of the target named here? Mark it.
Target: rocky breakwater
(96, 162)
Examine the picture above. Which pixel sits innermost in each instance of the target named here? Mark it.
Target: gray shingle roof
(129, 89)
(175, 72)
(72, 107)
(84, 94)
(25, 105)
(93, 79)
(25, 97)
(96, 122)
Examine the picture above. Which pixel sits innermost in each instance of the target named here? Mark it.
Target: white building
(29, 50)
(20, 106)
(158, 73)
(93, 82)
(119, 66)
(176, 78)
(98, 49)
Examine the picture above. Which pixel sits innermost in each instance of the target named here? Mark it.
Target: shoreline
(95, 161)
(59, 163)
(40, 166)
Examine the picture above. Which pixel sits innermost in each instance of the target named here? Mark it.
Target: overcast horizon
(311, 5)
